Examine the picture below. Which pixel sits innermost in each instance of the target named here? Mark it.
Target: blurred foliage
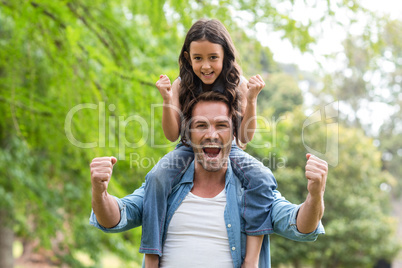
(359, 229)
(369, 85)
(77, 81)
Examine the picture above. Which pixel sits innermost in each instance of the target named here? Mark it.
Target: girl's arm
(171, 107)
(249, 92)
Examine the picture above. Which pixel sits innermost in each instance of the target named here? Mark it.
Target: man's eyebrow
(225, 120)
(195, 121)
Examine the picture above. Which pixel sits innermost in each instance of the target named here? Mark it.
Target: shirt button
(233, 248)
(229, 225)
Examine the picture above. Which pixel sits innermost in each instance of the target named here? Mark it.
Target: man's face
(211, 134)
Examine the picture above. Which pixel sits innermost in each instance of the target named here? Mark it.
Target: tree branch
(103, 40)
(127, 77)
(5, 3)
(50, 15)
(23, 106)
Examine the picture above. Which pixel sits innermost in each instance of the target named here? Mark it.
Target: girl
(207, 62)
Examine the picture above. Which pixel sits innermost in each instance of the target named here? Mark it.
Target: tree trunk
(6, 241)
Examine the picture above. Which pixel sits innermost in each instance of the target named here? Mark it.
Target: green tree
(56, 58)
(359, 230)
(370, 84)
(281, 94)
(390, 133)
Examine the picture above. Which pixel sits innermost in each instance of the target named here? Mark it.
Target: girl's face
(206, 59)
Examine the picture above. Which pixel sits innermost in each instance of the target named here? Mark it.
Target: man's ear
(187, 56)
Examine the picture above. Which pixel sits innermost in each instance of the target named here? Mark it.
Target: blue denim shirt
(283, 216)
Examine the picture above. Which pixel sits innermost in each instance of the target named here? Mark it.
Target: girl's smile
(206, 59)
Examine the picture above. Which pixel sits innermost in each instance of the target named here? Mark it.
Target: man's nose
(212, 133)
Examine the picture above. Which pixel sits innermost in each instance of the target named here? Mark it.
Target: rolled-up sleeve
(130, 207)
(284, 215)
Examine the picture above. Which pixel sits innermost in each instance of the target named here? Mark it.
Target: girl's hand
(254, 85)
(165, 87)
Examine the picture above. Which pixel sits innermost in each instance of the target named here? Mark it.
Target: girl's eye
(214, 57)
(197, 58)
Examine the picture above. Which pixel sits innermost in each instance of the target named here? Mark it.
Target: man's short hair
(234, 114)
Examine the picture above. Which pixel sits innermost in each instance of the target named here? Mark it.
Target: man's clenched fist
(316, 173)
(101, 171)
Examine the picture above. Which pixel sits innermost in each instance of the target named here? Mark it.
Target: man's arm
(104, 205)
(302, 222)
(312, 210)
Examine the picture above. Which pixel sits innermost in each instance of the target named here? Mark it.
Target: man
(203, 226)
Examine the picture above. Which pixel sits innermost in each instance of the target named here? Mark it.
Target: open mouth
(208, 74)
(211, 151)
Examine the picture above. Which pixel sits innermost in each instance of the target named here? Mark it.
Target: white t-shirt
(197, 236)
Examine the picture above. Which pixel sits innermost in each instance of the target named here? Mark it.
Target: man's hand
(312, 209)
(255, 85)
(101, 172)
(316, 174)
(165, 87)
(104, 205)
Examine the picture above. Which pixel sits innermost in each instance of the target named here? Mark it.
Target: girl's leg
(259, 184)
(151, 261)
(253, 249)
(158, 185)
